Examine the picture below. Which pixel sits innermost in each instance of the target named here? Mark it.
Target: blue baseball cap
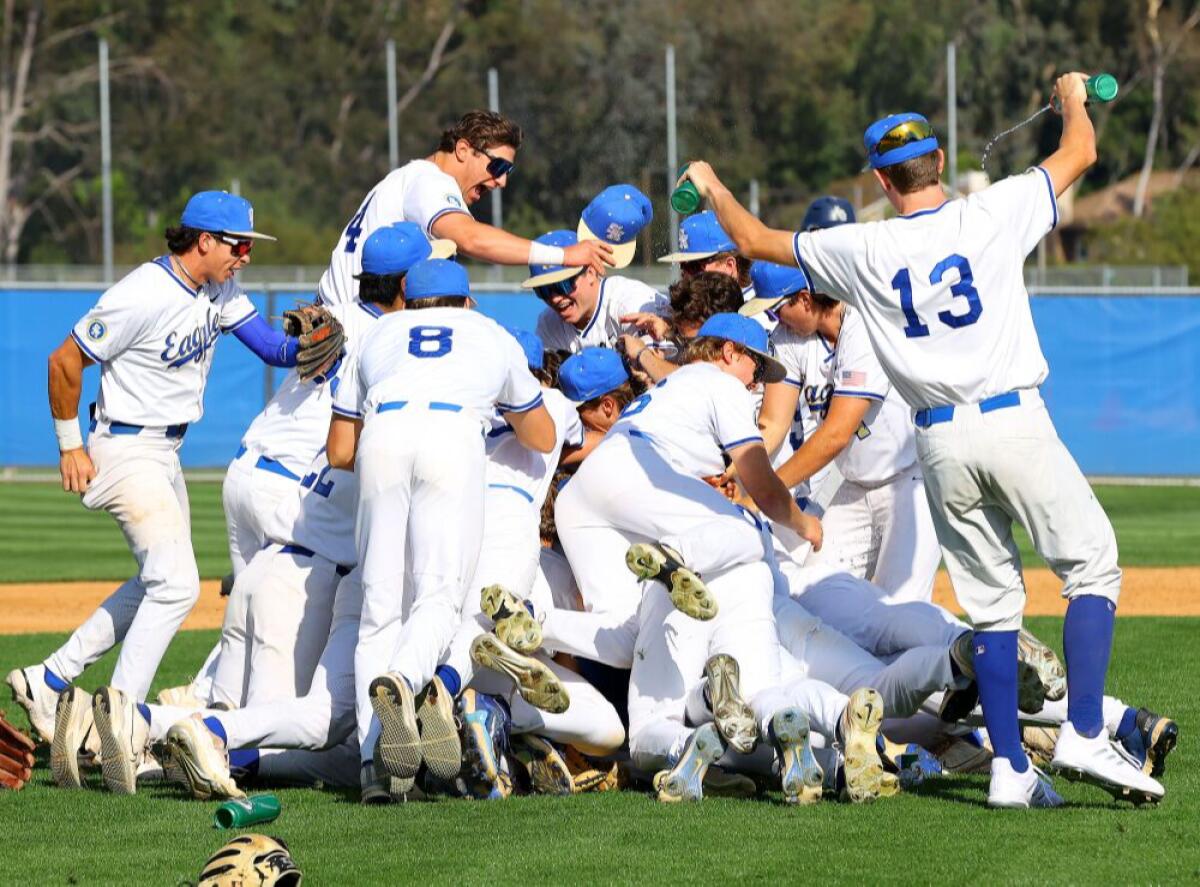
(750, 335)
(915, 140)
(430, 278)
(772, 284)
(616, 216)
(700, 236)
(531, 344)
(827, 212)
(221, 211)
(590, 373)
(394, 249)
(541, 275)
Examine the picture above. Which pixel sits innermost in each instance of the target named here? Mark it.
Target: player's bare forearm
(341, 445)
(760, 482)
(490, 244)
(65, 379)
(654, 365)
(534, 428)
(775, 417)
(754, 239)
(1077, 145)
(834, 434)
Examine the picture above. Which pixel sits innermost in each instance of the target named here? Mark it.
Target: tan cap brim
(550, 277)
(252, 235)
(622, 252)
(758, 306)
(685, 257)
(441, 248)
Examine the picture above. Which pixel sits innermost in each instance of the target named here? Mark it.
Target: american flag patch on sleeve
(854, 378)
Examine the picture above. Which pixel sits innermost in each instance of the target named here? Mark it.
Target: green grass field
(943, 832)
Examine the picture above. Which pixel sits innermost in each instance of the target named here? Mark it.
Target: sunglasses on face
(497, 166)
(239, 248)
(550, 290)
(903, 134)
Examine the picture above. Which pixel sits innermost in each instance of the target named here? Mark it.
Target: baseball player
(583, 308)
(153, 334)
(474, 157)
(941, 294)
(410, 416)
(704, 246)
(878, 520)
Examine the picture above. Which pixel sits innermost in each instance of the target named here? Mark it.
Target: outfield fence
(1124, 385)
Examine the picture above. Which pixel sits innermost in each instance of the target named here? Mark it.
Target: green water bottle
(242, 812)
(685, 199)
(1102, 88)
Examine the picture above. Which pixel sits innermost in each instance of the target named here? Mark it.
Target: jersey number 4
(965, 288)
(430, 341)
(354, 228)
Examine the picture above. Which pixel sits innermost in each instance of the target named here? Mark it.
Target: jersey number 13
(964, 288)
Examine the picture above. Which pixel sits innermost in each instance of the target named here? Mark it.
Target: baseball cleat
(865, 777)
(1039, 743)
(485, 728)
(733, 716)
(911, 763)
(33, 694)
(546, 765)
(398, 750)
(958, 703)
(1045, 662)
(717, 783)
(180, 697)
(1154, 739)
(685, 781)
(959, 754)
(378, 789)
(440, 745)
(1020, 791)
(124, 735)
(202, 759)
(1100, 762)
(72, 723)
(689, 594)
(512, 621)
(800, 774)
(538, 685)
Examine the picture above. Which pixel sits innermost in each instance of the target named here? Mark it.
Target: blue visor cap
(700, 236)
(889, 156)
(430, 278)
(592, 372)
(531, 344)
(221, 211)
(541, 275)
(773, 284)
(394, 249)
(616, 216)
(750, 335)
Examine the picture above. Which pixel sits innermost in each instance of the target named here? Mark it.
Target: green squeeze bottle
(242, 812)
(685, 199)
(1102, 88)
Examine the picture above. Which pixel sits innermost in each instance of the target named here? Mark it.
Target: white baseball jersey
(441, 358)
(513, 465)
(320, 516)
(416, 192)
(293, 426)
(693, 417)
(809, 364)
(942, 291)
(618, 296)
(885, 443)
(153, 336)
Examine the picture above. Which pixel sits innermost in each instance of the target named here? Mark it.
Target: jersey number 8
(430, 341)
(965, 287)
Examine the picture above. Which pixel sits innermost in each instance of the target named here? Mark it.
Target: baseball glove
(251, 859)
(589, 776)
(16, 757)
(321, 338)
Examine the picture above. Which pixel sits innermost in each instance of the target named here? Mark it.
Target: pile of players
(473, 560)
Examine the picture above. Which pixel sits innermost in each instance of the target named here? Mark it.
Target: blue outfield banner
(1122, 389)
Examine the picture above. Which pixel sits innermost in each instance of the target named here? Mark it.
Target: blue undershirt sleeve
(272, 346)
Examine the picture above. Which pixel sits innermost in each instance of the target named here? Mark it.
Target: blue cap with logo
(531, 344)
(394, 249)
(430, 278)
(541, 275)
(700, 236)
(590, 373)
(616, 216)
(827, 212)
(918, 139)
(772, 284)
(220, 211)
(750, 335)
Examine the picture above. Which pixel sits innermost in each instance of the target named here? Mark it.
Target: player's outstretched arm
(65, 382)
(341, 444)
(1077, 145)
(833, 435)
(754, 239)
(777, 412)
(491, 244)
(769, 493)
(534, 428)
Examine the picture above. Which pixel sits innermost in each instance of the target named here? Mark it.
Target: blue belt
(514, 489)
(308, 552)
(935, 415)
(388, 406)
(266, 463)
(175, 431)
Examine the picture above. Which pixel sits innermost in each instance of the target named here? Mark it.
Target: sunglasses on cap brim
(903, 134)
(560, 288)
(239, 248)
(497, 166)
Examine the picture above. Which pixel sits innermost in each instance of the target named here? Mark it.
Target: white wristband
(67, 432)
(544, 254)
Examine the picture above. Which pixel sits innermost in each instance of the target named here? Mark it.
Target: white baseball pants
(250, 496)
